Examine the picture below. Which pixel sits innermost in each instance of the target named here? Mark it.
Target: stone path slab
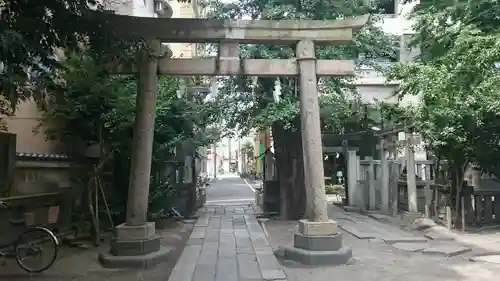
(487, 258)
(227, 244)
(438, 235)
(404, 239)
(365, 227)
(446, 250)
(411, 247)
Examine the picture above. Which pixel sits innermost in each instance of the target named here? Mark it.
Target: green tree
(32, 32)
(253, 106)
(457, 77)
(92, 107)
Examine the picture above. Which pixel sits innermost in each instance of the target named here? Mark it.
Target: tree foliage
(457, 76)
(247, 105)
(32, 32)
(92, 107)
(253, 106)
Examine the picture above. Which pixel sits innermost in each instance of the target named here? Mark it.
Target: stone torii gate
(318, 240)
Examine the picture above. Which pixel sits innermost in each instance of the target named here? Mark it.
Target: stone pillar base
(409, 217)
(318, 243)
(134, 247)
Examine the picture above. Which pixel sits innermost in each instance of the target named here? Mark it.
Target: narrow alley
(230, 189)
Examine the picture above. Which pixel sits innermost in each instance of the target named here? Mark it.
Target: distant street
(230, 189)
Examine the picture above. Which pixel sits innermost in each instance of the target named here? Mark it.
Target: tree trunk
(290, 170)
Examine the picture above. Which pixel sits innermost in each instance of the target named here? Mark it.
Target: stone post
(370, 184)
(352, 178)
(214, 161)
(136, 245)
(384, 175)
(393, 187)
(317, 240)
(410, 174)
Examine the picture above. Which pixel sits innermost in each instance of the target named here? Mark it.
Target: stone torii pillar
(318, 240)
(135, 244)
(312, 147)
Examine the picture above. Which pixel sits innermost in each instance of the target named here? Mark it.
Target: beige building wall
(183, 10)
(25, 124)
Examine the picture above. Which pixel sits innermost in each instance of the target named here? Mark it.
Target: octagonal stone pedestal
(134, 247)
(318, 243)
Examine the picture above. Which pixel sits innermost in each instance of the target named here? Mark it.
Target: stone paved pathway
(227, 244)
(365, 227)
(369, 227)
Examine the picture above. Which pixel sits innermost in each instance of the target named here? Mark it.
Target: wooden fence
(480, 207)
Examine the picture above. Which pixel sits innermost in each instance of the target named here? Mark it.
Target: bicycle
(30, 243)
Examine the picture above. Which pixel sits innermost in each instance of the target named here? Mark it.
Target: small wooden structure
(481, 204)
(351, 146)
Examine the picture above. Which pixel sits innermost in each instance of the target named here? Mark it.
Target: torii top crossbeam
(181, 30)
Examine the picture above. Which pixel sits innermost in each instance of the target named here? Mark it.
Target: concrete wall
(399, 23)
(25, 124)
(182, 10)
(381, 92)
(41, 194)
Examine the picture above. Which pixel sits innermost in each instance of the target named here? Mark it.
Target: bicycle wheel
(36, 249)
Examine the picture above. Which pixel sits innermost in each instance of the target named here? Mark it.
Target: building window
(387, 7)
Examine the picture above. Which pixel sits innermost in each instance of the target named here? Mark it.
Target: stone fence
(40, 193)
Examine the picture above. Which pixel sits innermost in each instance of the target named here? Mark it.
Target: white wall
(384, 93)
(143, 8)
(138, 8)
(399, 24)
(372, 85)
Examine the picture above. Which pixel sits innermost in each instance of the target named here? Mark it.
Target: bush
(334, 189)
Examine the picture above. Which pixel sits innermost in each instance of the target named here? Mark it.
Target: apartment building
(371, 84)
